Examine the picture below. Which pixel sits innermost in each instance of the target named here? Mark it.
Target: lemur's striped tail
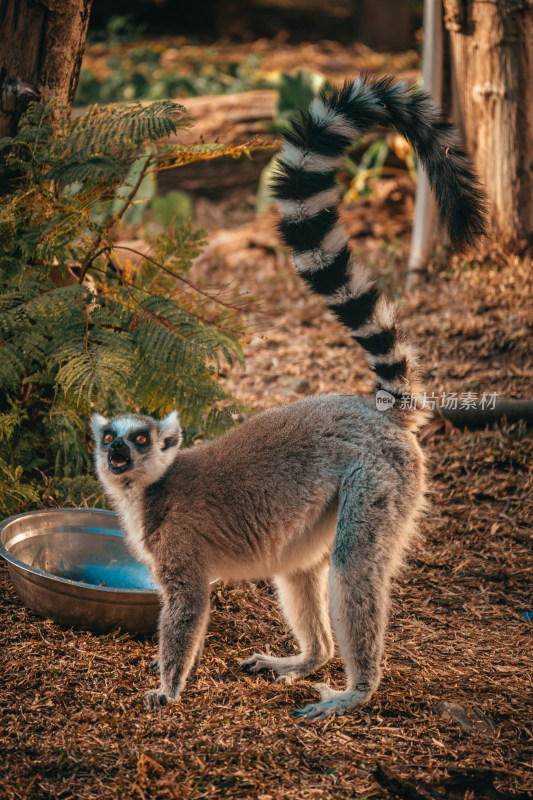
(308, 195)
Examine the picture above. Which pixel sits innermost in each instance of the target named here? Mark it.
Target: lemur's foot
(334, 702)
(154, 700)
(287, 669)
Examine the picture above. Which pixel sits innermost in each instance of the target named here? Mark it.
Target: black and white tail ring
(308, 195)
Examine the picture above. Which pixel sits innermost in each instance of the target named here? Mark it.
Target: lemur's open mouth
(118, 463)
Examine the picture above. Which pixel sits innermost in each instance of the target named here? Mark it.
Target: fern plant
(81, 330)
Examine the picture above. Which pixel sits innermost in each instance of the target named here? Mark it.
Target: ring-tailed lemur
(323, 494)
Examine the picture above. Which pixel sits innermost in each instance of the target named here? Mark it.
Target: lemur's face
(135, 446)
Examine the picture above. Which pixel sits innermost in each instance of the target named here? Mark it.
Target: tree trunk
(492, 91)
(42, 48)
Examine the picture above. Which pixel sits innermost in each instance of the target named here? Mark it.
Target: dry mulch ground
(456, 692)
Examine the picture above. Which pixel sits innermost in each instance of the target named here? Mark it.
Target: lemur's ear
(97, 423)
(171, 429)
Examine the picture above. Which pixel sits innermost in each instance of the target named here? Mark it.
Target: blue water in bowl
(93, 556)
(118, 575)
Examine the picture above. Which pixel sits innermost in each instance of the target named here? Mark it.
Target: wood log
(227, 119)
(472, 418)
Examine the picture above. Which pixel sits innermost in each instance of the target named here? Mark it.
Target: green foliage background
(138, 74)
(81, 330)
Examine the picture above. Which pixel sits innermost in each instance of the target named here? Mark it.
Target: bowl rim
(16, 562)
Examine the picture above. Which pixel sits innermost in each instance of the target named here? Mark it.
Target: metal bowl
(72, 565)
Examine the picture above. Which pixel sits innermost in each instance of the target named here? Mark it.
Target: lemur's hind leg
(303, 596)
(373, 523)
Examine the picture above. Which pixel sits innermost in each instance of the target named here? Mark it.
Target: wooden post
(425, 221)
(42, 48)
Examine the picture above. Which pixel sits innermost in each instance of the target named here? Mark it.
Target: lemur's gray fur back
(308, 196)
(323, 494)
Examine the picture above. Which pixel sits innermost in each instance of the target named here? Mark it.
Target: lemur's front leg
(155, 667)
(182, 627)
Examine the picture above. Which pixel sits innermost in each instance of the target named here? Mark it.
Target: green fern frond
(119, 129)
(79, 170)
(79, 490)
(37, 117)
(14, 494)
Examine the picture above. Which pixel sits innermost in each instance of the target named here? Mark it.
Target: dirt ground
(455, 700)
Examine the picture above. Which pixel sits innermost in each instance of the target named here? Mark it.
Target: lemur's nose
(117, 443)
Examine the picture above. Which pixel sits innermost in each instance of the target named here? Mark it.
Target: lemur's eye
(141, 439)
(108, 438)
